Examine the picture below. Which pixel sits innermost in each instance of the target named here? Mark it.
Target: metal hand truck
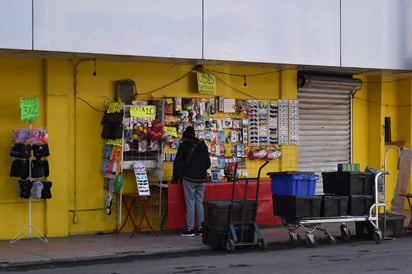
(237, 235)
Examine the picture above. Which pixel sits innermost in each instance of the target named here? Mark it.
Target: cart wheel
(332, 240)
(345, 232)
(310, 240)
(294, 238)
(230, 245)
(261, 243)
(377, 236)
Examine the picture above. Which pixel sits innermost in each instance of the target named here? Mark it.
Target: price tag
(115, 142)
(171, 131)
(29, 109)
(115, 107)
(143, 111)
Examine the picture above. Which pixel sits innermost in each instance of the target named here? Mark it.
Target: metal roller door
(325, 128)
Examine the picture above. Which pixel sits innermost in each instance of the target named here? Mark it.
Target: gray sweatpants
(193, 193)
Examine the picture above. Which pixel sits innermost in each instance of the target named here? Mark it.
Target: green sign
(29, 109)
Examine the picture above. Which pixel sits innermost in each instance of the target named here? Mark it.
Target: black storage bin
(348, 183)
(394, 226)
(359, 205)
(217, 212)
(333, 205)
(291, 206)
(216, 236)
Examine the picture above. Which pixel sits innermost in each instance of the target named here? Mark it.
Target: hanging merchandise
(40, 150)
(118, 183)
(283, 128)
(139, 130)
(30, 161)
(273, 154)
(20, 150)
(141, 139)
(112, 121)
(169, 106)
(46, 192)
(31, 168)
(293, 122)
(156, 130)
(257, 154)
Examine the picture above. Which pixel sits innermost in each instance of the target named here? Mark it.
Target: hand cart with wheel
(311, 224)
(238, 230)
(232, 223)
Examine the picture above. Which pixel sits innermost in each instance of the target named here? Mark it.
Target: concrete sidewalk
(34, 251)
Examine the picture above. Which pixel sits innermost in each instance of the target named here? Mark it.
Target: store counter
(223, 191)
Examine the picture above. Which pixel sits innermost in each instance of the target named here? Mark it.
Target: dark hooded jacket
(193, 165)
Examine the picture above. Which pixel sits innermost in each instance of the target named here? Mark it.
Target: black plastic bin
(348, 183)
(216, 236)
(359, 205)
(292, 207)
(334, 205)
(217, 212)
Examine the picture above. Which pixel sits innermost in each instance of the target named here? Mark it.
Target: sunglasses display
(273, 122)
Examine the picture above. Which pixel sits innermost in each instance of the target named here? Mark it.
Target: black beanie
(189, 132)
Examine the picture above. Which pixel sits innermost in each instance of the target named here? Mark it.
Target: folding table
(131, 199)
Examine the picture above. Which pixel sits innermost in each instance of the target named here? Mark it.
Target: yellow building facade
(73, 95)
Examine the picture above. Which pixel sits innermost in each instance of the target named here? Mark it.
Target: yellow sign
(115, 107)
(143, 111)
(29, 109)
(115, 142)
(170, 131)
(206, 83)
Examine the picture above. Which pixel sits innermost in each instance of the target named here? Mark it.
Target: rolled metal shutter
(325, 127)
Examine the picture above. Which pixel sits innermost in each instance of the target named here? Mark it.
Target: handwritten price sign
(206, 83)
(143, 111)
(29, 109)
(170, 131)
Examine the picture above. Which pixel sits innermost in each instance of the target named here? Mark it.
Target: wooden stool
(143, 202)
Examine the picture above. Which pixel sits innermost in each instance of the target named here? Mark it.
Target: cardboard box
(394, 226)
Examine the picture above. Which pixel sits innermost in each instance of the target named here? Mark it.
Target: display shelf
(33, 150)
(138, 145)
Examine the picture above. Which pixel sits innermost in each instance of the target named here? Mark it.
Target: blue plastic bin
(293, 183)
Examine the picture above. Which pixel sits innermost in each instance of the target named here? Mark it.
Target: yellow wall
(382, 97)
(72, 101)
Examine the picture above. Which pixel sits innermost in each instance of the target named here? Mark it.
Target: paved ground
(33, 250)
(88, 247)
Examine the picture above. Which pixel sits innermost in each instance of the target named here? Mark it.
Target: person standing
(190, 166)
